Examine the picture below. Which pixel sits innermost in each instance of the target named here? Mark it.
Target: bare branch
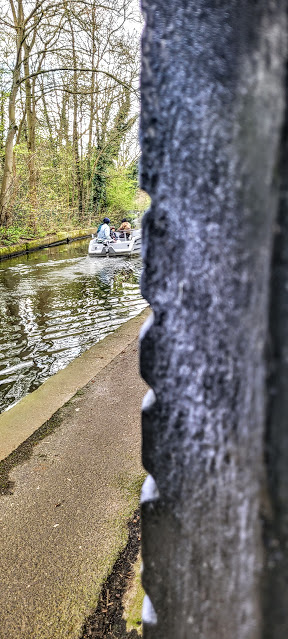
(80, 70)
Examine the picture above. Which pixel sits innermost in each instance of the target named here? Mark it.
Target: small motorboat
(126, 244)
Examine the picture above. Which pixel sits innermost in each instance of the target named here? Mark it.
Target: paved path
(62, 528)
(18, 423)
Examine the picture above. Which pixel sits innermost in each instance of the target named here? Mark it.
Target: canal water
(54, 304)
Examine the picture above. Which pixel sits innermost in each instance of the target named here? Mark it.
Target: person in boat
(104, 231)
(113, 234)
(124, 227)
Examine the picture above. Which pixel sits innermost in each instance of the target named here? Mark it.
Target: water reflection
(53, 306)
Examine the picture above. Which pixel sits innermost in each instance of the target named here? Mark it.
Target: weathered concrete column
(212, 110)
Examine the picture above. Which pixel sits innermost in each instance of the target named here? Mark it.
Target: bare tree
(76, 66)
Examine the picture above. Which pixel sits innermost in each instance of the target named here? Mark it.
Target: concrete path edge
(61, 237)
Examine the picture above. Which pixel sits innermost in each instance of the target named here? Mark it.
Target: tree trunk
(31, 126)
(2, 125)
(7, 181)
(75, 136)
(93, 101)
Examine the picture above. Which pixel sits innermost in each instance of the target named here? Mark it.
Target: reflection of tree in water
(50, 315)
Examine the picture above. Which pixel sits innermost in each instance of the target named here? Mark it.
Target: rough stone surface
(212, 108)
(275, 624)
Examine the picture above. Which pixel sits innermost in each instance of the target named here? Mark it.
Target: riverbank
(64, 515)
(55, 239)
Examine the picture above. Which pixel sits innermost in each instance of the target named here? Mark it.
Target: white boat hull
(123, 247)
(97, 249)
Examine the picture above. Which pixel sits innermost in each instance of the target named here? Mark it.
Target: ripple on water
(52, 309)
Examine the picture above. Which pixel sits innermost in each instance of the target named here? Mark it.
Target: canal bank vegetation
(68, 115)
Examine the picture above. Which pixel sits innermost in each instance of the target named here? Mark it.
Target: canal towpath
(64, 515)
